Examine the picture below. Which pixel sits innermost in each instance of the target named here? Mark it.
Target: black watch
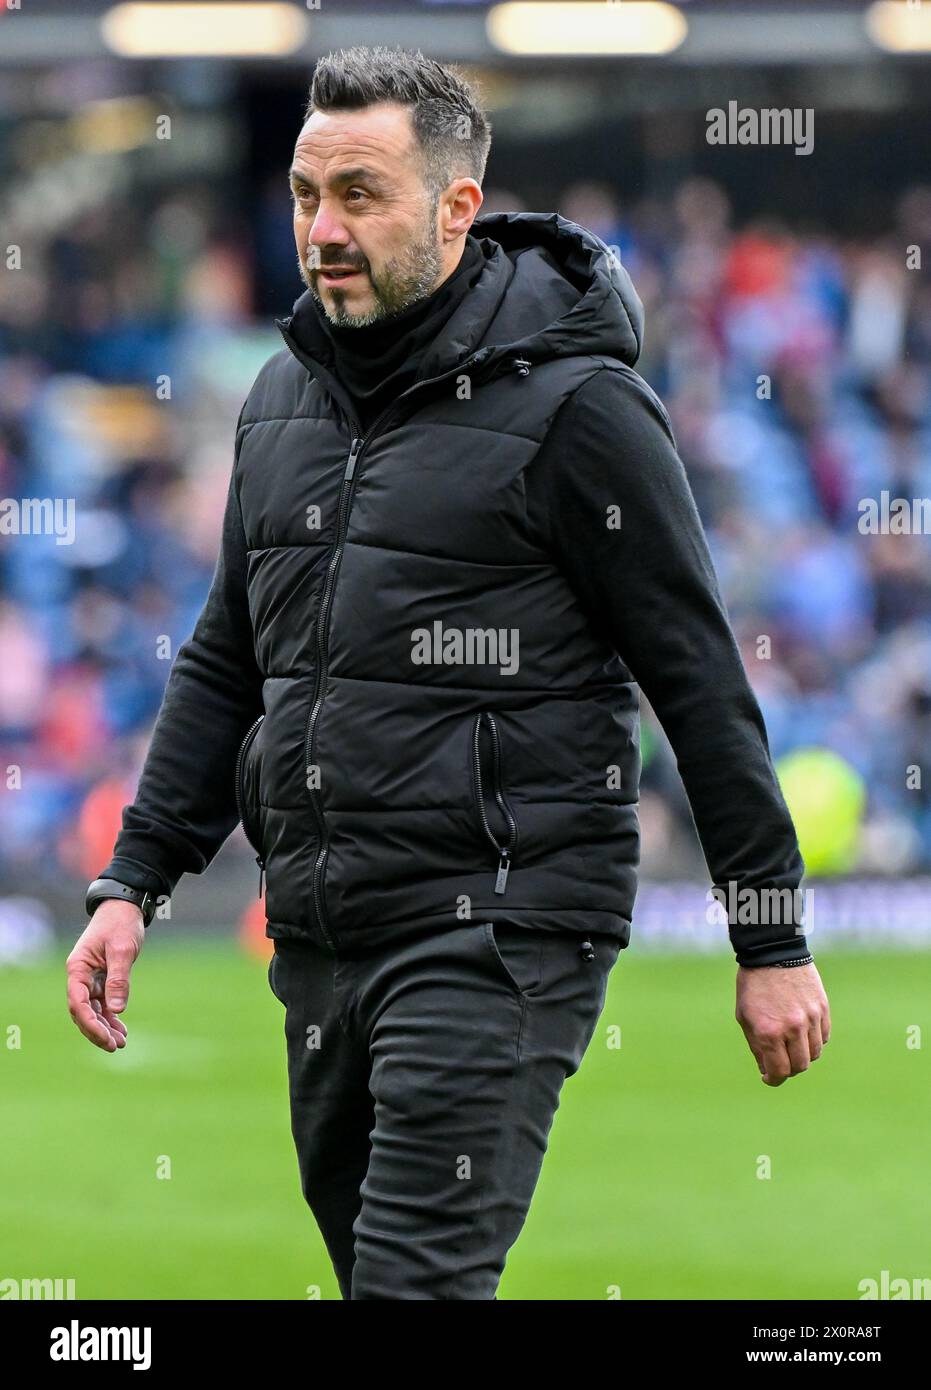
(103, 888)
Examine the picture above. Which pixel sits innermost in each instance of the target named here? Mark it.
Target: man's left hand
(785, 1018)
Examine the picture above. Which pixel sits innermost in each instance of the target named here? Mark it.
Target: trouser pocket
(275, 982)
(517, 953)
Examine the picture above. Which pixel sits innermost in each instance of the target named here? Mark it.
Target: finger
(797, 1048)
(825, 1022)
(117, 1033)
(119, 961)
(98, 987)
(93, 1028)
(815, 1041)
(756, 1047)
(100, 1008)
(116, 1025)
(777, 1066)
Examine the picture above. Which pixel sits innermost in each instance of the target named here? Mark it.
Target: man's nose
(326, 228)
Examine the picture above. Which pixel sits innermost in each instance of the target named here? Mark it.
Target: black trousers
(424, 1078)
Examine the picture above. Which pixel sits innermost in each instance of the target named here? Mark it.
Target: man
(415, 680)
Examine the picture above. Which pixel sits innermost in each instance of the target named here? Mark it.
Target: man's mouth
(335, 277)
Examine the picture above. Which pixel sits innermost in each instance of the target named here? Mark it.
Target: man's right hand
(98, 972)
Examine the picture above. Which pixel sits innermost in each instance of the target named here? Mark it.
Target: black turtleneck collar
(376, 362)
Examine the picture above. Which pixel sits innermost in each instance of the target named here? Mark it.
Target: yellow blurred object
(899, 26)
(586, 26)
(826, 798)
(114, 125)
(180, 30)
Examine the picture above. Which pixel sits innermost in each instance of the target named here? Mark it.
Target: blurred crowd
(795, 367)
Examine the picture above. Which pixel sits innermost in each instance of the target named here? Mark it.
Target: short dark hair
(452, 132)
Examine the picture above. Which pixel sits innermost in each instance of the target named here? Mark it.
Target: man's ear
(459, 206)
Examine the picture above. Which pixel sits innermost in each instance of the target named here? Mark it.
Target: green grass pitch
(650, 1185)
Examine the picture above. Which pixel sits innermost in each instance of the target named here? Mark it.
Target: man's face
(360, 206)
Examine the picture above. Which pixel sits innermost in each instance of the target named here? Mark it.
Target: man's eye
(355, 192)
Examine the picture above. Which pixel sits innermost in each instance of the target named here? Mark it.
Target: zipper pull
(522, 364)
(261, 864)
(351, 463)
(501, 882)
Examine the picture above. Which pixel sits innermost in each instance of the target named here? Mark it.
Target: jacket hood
(549, 288)
(568, 294)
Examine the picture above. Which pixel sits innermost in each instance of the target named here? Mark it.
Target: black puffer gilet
(383, 793)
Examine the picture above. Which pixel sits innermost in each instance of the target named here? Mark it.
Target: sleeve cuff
(772, 952)
(137, 875)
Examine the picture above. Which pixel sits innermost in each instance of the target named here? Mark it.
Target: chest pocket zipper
(505, 852)
(241, 798)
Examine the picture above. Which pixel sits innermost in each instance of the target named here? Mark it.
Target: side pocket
(492, 781)
(249, 825)
(517, 953)
(272, 966)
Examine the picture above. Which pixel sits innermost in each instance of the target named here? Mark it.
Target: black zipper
(358, 445)
(505, 852)
(241, 797)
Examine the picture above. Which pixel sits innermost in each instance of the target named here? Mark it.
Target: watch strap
(103, 888)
